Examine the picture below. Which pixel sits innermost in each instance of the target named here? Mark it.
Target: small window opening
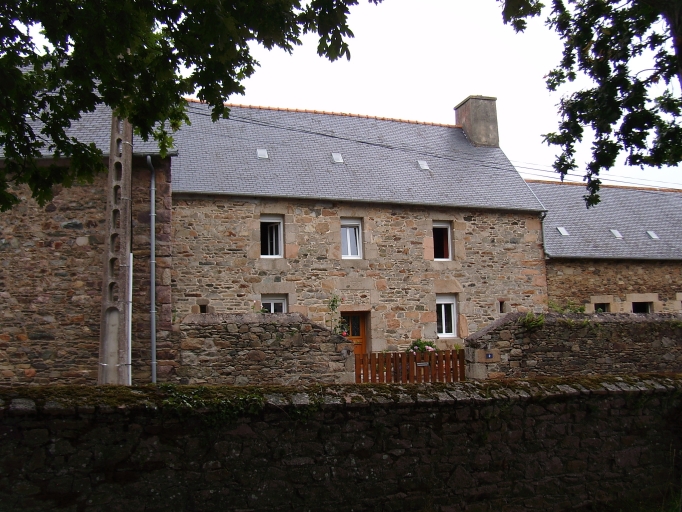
(642, 307)
(203, 308)
(562, 230)
(602, 307)
(652, 235)
(446, 315)
(273, 304)
(262, 153)
(616, 233)
(271, 237)
(423, 165)
(500, 306)
(351, 238)
(442, 241)
(337, 158)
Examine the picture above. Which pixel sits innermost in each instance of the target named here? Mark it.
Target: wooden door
(356, 323)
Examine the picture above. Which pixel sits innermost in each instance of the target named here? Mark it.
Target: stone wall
(254, 348)
(619, 283)
(50, 281)
(463, 447)
(575, 344)
(497, 257)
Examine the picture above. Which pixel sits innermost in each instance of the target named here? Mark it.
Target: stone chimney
(477, 115)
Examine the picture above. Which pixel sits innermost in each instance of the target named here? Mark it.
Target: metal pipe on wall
(152, 264)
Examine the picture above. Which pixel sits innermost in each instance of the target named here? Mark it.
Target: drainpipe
(152, 265)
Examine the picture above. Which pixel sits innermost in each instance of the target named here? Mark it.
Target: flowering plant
(420, 345)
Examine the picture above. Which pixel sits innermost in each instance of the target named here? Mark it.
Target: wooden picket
(403, 367)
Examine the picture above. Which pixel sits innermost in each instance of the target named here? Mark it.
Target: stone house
(421, 230)
(622, 256)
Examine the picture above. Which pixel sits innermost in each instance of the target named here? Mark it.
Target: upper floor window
(273, 303)
(442, 241)
(351, 238)
(446, 311)
(271, 236)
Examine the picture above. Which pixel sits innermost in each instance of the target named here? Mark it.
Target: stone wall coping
(245, 318)
(69, 400)
(603, 318)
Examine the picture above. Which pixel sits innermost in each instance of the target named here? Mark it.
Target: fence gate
(403, 367)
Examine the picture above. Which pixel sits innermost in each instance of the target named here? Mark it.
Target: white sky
(417, 63)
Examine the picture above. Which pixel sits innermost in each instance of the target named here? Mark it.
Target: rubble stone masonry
(261, 349)
(519, 446)
(498, 263)
(552, 345)
(50, 281)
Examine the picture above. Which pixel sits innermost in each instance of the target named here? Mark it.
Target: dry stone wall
(497, 257)
(461, 447)
(50, 281)
(574, 344)
(254, 348)
(584, 282)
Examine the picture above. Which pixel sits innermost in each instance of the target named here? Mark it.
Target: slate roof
(380, 160)
(96, 127)
(632, 212)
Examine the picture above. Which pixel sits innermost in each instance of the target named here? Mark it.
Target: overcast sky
(417, 63)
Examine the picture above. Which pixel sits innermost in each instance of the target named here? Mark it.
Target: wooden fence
(403, 367)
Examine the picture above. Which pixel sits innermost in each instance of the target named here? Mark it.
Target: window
(271, 229)
(446, 310)
(442, 241)
(351, 238)
(602, 307)
(642, 307)
(273, 303)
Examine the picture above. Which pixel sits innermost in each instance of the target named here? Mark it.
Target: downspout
(152, 265)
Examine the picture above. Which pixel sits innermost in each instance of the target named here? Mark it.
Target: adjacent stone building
(623, 255)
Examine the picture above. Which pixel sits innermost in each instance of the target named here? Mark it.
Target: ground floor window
(446, 314)
(274, 303)
(642, 307)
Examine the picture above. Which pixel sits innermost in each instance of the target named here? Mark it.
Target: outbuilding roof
(380, 160)
(637, 215)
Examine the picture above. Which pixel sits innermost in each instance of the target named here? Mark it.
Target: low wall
(576, 344)
(470, 447)
(256, 348)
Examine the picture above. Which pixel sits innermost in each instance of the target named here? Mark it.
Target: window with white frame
(351, 238)
(271, 236)
(446, 316)
(273, 303)
(442, 241)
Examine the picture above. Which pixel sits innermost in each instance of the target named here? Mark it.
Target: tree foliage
(130, 55)
(629, 109)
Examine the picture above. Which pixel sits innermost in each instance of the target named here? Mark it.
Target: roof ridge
(324, 112)
(605, 185)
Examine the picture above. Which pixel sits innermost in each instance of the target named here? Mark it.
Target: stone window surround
(618, 306)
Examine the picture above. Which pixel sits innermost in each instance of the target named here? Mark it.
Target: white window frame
(442, 303)
(279, 222)
(271, 300)
(349, 226)
(442, 225)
